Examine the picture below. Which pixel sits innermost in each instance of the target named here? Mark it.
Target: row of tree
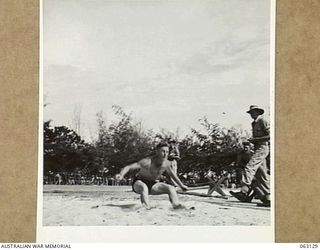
(125, 141)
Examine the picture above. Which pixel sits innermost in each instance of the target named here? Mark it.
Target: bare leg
(162, 188)
(142, 189)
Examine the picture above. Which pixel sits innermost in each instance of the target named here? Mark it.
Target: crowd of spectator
(78, 178)
(189, 178)
(233, 177)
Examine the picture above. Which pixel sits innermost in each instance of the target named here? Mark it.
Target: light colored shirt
(260, 127)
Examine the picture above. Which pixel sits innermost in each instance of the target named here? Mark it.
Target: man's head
(255, 111)
(247, 146)
(172, 141)
(162, 150)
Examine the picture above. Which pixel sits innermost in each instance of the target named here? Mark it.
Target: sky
(170, 63)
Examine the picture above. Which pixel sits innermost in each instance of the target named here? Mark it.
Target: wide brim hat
(255, 107)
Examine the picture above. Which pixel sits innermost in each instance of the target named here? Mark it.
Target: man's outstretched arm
(126, 169)
(176, 179)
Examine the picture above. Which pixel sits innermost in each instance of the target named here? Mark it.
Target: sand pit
(118, 205)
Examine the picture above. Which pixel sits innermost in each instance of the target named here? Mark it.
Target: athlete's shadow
(122, 206)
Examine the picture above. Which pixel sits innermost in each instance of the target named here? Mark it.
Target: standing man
(150, 169)
(174, 156)
(257, 166)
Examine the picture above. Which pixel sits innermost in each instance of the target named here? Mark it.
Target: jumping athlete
(150, 169)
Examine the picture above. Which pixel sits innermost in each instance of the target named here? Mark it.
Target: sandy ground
(114, 205)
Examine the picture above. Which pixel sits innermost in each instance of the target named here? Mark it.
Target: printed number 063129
(305, 245)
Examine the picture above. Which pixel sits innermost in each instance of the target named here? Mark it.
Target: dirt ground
(72, 205)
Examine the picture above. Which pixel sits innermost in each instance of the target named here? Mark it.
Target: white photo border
(171, 234)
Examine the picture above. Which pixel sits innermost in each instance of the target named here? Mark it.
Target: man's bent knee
(171, 189)
(140, 187)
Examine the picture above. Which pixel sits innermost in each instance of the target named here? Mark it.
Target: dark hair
(162, 144)
(172, 141)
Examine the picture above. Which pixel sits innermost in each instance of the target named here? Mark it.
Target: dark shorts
(147, 182)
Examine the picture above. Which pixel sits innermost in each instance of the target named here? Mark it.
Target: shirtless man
(150, 169)
(174, 156)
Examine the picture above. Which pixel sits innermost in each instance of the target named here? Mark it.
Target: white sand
(112, 205)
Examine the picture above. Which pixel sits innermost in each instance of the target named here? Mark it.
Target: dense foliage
(125, 141)
(65, 151)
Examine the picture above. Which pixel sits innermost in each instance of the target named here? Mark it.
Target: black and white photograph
(157, 113)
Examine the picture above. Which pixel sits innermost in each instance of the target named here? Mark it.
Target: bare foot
(145, 206)
(180, 206)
